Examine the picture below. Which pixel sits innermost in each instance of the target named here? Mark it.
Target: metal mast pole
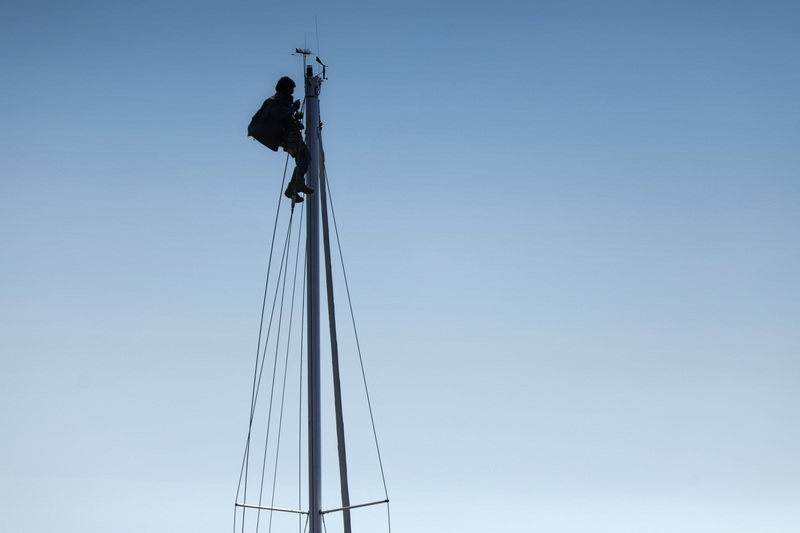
(312, 86)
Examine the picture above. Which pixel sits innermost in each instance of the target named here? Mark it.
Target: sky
(571, 232)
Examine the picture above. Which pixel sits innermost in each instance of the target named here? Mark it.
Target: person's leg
(302, 160)
(294, 146)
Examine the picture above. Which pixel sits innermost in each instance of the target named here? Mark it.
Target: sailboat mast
(312, 86)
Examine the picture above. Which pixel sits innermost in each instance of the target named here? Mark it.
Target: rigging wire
(300, 526)
(286, 367)
(261, 359)
(355, 335)
(316, 27)
(284, 272)
(353, 321)
(243, 473)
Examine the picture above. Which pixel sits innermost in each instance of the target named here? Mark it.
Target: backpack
(263, 129)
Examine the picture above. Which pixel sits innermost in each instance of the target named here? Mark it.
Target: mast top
(305, 52)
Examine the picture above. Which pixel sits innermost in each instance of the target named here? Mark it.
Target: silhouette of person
(277, 125)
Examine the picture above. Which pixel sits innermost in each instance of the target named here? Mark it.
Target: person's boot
(300, 186)
(291, 193)
(299, 183)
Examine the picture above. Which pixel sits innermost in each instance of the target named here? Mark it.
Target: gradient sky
(572, 235)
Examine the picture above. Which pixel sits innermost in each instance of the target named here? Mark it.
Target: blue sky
(571, 231)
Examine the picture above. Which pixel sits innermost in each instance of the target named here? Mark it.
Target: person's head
(285, 85)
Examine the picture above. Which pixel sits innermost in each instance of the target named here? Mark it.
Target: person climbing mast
(277, 125)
